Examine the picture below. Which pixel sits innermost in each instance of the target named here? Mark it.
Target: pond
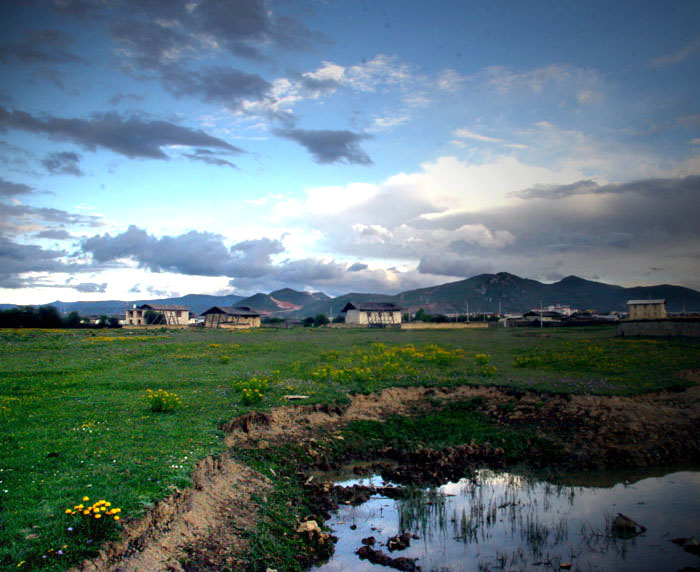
(505, 522)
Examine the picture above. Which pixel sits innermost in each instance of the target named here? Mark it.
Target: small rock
(400, 542)
(624, 526)
(309, 526)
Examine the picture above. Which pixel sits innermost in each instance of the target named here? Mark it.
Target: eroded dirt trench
(215, 514)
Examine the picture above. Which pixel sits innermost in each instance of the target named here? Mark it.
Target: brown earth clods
(206, 526)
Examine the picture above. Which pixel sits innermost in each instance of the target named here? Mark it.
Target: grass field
(75, 420)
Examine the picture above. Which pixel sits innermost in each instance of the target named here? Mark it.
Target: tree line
(49, 317)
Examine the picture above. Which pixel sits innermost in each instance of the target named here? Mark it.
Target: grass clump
(162, 401)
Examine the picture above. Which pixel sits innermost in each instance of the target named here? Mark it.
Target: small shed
(372, 314)
(231, 317)
(646, 309)
(169, 315)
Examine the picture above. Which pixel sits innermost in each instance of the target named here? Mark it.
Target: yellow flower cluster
(252, 389)
(162, 401)
(382, 361)
(96, 510)
(117, 338)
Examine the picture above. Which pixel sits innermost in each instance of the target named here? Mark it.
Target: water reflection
(506, 522)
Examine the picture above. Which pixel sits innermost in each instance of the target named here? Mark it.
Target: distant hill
(283, 302)
(510, 293)
(482, 293)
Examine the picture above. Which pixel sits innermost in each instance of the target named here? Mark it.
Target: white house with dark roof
(372, 314)
(231, 317)
(646, 309)
(168, 315)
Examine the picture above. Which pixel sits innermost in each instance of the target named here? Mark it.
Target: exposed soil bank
(206, 526)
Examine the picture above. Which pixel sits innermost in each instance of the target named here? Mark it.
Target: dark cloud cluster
(193, 253)
(54, 234)
(245, 28)
(62, 163)
(40, 47)
(209, 157)
(90, 287)
(225, 85)
(10, 189)
(16, 259)
(165, 41)
(452, 264)
(329, 146)
(132, 137)
(249, 264)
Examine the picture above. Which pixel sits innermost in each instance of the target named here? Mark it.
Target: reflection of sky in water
(505, 522)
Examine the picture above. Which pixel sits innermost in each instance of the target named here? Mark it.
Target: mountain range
(482, 293)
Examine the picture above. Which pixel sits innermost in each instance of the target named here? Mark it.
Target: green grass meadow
(76, 422)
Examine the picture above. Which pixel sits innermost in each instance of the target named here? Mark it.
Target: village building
(229, 317)
(646, 309)
(372, 314)
(165, 315)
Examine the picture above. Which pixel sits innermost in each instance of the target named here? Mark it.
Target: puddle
(504, 522)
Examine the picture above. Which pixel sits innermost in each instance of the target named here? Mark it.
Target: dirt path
(213, 515)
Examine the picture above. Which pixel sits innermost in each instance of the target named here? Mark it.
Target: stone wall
(689, 327)
(443, 325)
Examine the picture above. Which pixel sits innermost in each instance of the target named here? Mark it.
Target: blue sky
(156, 148)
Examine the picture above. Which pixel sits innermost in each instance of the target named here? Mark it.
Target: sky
(155, 148)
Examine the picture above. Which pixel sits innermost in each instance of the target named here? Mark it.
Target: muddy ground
(207, 524)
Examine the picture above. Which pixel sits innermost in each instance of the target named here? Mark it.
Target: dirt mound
(204, 527)
(215, 508)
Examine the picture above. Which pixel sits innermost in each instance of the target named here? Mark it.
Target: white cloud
(466, 134)
(678, 56)
(381, 73)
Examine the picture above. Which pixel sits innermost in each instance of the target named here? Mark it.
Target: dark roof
(644, 302)
(544, 314)
(162, 307)
(371, 307)
(242, 311)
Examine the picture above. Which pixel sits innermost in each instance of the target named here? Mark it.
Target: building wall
(228, 321)
(135, 317)
(647, 311)
(364, 318)
(668, 327)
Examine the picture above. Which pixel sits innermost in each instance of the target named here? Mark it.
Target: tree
(321, 320)
(421, 315)
(72, 320)
(308, 322)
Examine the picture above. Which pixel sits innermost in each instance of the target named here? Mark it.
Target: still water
(505, 522)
